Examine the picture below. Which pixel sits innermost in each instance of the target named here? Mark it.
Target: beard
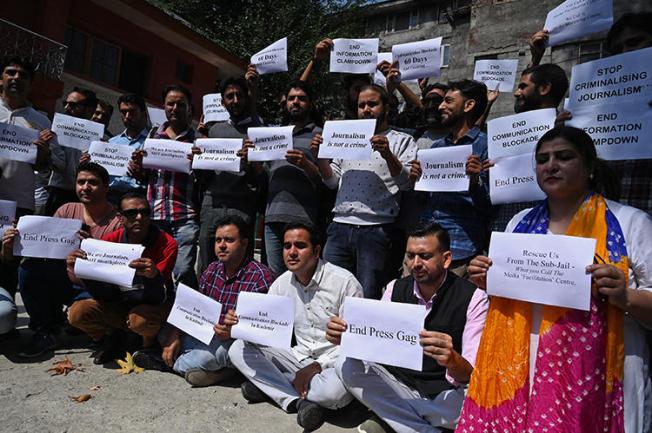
(528, 103)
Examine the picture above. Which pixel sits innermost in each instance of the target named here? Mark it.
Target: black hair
(634, 20)
(178, 88)
(108, 107)
(430, 87)
(315, 238)
(433, 229)
(90, 98)
(237, 82)
(471, 89)
(603, 180)
(384, 96)
(96, 169)
(19, 61)
(131, 98)
(239, 222)
(549, 73)
(131, 195)
(314, 114)
(350, 79)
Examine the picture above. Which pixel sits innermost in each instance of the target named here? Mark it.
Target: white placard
(17, 143)
(501, 73)
(270, 143)
(273, 58)
(264, 319)
(354, 56)
(513, 180)
(619, 131)
(76, 133)
(213, 109)
(518, 134)
(46, 237)
(218, 154)
(170, 155)
(418, 59)
(379, 78)
(616, 79)
(114, 157)
(157, 116)
(544, 269)
(384, 332)
(347, 139)
(574, 19)
(443, 169)
(108, 262)
(7, 215)
(195, 313)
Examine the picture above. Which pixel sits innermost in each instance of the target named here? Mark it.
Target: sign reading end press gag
(46, 237)
(114, 157)
(170, 155)
(354, 56)
(213, 109)
(17, 143)
(347, 139)
(418, 59)
(108, 262)
(492, 73)
(270, 143)
(274, 58)
(385, 332)
(264, 319)
(443, 169)
(218, 154)
(76, 133)
(195, 313)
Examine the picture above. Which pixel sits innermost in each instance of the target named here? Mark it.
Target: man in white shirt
(301, 379)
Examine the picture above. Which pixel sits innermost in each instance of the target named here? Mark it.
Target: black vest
(448, 315)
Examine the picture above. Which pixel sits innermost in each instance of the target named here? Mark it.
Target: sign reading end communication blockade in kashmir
(76, 133)
(274, 58)
(492, 73)
(170, 155)
(46, 237)
(213, 109)
(195, 313)
(114, 157)
(17, 143)
(264, 319)
(354, 56)
(574, 19)
(443, 169)
(418, 59)
(347, 139)
(270, 143)
(108, 262)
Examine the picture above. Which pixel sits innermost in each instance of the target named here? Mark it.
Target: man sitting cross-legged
(301, 379)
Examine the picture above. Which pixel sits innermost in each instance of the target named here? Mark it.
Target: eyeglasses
(132, 213)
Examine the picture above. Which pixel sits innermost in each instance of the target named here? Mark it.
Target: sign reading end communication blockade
(76, 133)
(108, 262)
(443, 169)
(347, 139)
(170, 155)
(492, 73)
(46, 237)
(264, 319)
(114, 157)
(354, 56)
(418, 59)
(195, 313)
(574, 19)
(17, 143)
(274, 58)
(213, 109)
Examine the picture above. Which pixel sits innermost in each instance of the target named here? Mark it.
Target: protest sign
(264, 319)
(76, 133)
(511, 142)
(544, 269)
(218, 154)
(114, 157)
(270, 143)
(7, 215)
(157, 116)
(213, 109)
(354, 56)
(501, 73)
(418, 59)
(274, 58)
(108, 262)
(195, 313)
(379, 78)
(443, 169)
(619, 131)
(616, 79)
(386, 332)
(17, 143)
(574, 19)
(347, 139)
(46, 237)
(170, 155)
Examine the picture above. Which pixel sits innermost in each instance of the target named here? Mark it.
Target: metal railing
(48, 56)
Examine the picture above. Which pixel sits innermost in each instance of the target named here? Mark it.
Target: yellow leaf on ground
(80, 398)
(127, 365)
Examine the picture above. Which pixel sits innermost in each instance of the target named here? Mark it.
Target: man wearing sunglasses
(142, 308)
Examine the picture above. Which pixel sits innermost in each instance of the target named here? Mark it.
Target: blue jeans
(8, 312)
(195, 354)
(274, 247)
(45, 288)
(185, 233)
(364, 251)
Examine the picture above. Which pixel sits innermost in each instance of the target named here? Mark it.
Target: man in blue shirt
(465, 215)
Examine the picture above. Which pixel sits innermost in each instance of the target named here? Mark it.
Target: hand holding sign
(355, 56)
(574, 19)
(76, 133)
(274, 58)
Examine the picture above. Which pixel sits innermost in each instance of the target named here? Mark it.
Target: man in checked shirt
(231, 273)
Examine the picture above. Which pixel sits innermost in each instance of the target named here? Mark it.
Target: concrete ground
(33, 401)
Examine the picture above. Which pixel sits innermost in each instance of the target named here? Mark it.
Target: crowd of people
(350, 228)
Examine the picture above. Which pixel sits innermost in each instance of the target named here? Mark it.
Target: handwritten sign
(213, 109)
(157, 116)
(501, 73)
(170, 155)
(418, 59)
(7, 215)
(270, 143)
(108, 262)
(574, 19)
(443, 169)
(195, 313)
(274, 58)
(76, 133)
(545, 269)
(218, 154)
(385, 332)
(347, 139)
(354, 56)
(114, 157)
(46, 237)
(264, 319)
(17, 143)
